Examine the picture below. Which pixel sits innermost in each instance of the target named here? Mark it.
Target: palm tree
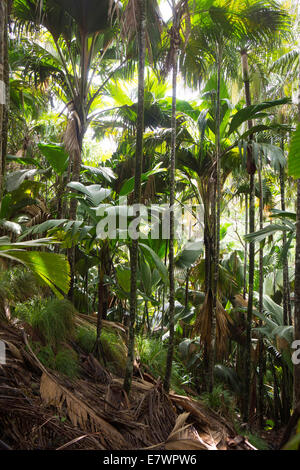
(214, 30)
(141, 13)
(269, 20)
(297, 283)
(4, 84)
(173, 53)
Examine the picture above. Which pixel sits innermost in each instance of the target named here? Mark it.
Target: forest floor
(41, 409)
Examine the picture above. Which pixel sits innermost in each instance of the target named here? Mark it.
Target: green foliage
(53, 269)
(45, 354)
(114, 350)
(257, 441)
(294, 154)
(153, 353)
(66, 362)
(86, 338)
(221, 401)
(113, 347)
(52, 319)
(56, 156)
(18, 285)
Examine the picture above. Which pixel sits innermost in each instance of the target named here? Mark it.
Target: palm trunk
(217, 215)
(172, 201)
(286, 285)
(251, 169)
(137, 188)
(297, 282)
(260, 404)
(3, 88)
(246, 248)
(297, 299)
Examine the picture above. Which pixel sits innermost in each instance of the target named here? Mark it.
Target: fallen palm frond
(41, 409)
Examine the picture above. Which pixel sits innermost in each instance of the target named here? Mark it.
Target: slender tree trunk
(137, 187)
(174, 44)
(246, 247)
(260, 403)
(297, 297)
(217, 216)
(286, 284)
(251, 169)
(4, 82)
(297, 279)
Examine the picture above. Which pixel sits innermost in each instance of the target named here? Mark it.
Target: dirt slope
(40, 409)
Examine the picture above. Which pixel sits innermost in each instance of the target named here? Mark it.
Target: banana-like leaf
(157, 261)
(253, 112)
(56, 156)
(16, 178)
(189, 254)
(23, 161)
(286, 332)
(94, 193)
(102, 171)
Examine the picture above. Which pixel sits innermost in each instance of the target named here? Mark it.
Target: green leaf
(264, 233)
(95, 193)
(253, 112)
(294, 154)
(157, 261)
(128, 186)
(23, 161)
(16, 178)
(189, 254)
(123, 278)
(146, 277)
(51, 268)
(56, 156)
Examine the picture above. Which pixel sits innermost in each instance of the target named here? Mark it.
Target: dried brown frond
(203, 322)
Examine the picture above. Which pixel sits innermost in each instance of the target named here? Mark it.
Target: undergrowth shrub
(114, 348)
(220, 400)
(86, 338)
(66, 362)
(52, 319)
(55, 321)
(153, 353)
(19, 284)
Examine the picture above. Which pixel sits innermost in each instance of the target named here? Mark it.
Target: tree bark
(174, 44)
(251, 169)
(297, 281)
(261, 361)
(297, 298)
(217, 216)
(4, 82)
(137, 187)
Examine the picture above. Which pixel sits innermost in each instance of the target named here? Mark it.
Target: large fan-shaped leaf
(51, 268)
